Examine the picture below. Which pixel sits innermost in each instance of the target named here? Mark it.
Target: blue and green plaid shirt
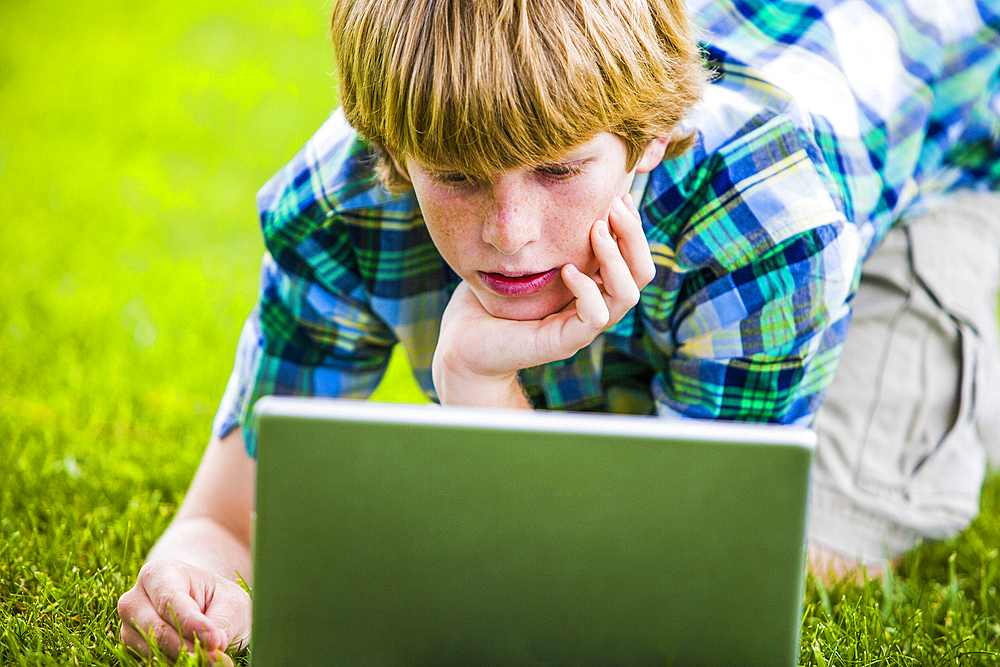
(824, 123)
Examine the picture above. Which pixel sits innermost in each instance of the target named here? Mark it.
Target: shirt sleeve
(313, 330)
(302, 339)
(870, 110)
(756, 267)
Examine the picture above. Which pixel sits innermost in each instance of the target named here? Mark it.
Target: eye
(559, 171)
(453, 179)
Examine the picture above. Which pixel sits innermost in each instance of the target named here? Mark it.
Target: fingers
(163, 613)
(161, 640)
(632, 243)
(229, 607)
(144, 630)
(590, 305)
(145, 633)
(616, 275)
(626, 265)
(177, 598)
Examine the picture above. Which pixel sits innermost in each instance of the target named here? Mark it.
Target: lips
(518, 285)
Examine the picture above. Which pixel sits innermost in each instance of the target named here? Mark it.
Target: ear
(397, 166)
(652, 155)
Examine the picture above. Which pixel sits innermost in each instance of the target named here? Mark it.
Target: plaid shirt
(824, 123)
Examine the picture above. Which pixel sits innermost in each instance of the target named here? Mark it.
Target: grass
(132, 139)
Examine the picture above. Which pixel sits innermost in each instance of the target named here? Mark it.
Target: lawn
(133, 136)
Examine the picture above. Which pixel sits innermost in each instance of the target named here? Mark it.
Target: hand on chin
(486, 338)
(480, 350)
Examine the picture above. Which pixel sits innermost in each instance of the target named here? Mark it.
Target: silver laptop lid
(395, 534)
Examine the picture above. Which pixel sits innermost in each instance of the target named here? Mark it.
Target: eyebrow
(581, 154)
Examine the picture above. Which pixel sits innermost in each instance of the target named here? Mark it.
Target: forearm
(213, 526)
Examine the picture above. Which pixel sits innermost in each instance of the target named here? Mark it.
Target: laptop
(391, 534)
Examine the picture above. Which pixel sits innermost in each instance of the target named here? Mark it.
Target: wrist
(466, 387)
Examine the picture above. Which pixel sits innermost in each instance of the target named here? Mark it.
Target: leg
(908, 421)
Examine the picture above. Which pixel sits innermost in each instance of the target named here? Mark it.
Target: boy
(489, 222)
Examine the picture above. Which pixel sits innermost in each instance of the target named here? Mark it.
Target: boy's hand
(478, 355)
(173, 602)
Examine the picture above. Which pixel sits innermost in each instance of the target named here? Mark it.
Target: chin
(526, 308)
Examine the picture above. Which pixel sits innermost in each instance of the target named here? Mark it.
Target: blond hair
(481, 86)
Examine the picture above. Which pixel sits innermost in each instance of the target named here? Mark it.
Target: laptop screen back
(417, 535)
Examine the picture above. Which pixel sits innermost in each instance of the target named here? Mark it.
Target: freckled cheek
(451, 230)
(572, 231)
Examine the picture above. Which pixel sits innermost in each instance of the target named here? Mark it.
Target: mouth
(520, 285)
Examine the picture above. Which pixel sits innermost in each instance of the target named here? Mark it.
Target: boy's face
(508, 237)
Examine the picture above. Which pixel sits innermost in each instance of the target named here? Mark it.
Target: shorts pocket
(951, 304)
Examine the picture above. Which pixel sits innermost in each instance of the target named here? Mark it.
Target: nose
(512, 221)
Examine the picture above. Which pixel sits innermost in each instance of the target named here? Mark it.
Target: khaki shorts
(912, 416)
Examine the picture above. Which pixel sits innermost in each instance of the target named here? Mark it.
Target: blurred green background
(133, 137)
